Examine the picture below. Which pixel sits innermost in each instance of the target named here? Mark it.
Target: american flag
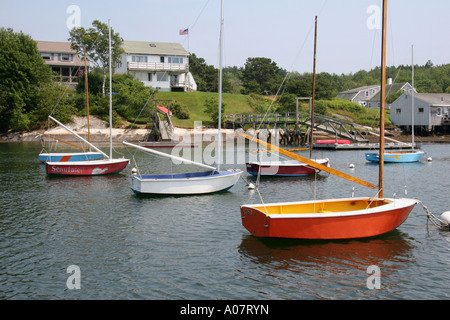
(184, 32)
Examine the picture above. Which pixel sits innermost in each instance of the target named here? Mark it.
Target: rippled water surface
(194, 247)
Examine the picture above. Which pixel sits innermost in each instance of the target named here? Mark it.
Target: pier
(294, 127)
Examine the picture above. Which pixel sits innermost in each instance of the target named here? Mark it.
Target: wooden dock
(294, 127)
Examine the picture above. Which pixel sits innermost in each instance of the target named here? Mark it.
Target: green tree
(96, 42)
(261, 76)
(23, 73)
(212, 109)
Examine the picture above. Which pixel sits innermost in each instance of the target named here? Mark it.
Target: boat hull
(184, 183)
(329, 219)
(86, 168)
(399, 156)
(66, 157)
(290, 168)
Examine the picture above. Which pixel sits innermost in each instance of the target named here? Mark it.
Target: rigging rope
(441, 224)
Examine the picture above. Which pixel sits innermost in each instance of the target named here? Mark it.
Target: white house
(360, 95)
(369, 96)
(161, 65)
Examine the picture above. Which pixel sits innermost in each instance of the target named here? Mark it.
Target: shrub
(180, 111)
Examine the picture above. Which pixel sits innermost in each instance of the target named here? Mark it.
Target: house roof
(347, 95)
(156, 48)
(435, 99)
(59, 47)
(356, 90)
(352, 93)
(390, 88)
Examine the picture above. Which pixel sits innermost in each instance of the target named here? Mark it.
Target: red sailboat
(94, 167)
(332, 218)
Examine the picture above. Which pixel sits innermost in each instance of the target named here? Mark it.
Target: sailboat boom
(76, 135)
(168, 155)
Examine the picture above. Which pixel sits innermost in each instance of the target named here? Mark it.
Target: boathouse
(161, 65)
(431, 112)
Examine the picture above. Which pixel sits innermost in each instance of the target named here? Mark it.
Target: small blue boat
(68, 157)
(396, 156)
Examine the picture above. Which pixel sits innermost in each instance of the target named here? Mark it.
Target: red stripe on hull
(339, 227)
(300, 170)
(86, 170)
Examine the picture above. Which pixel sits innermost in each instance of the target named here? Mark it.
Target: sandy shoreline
(99, 132)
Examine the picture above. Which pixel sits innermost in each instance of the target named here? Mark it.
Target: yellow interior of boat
(323, 206)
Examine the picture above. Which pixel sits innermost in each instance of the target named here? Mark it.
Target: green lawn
(194, 102)
(238, 103)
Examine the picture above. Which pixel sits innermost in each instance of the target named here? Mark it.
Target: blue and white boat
(401, 156)
(396, 156)
(191, 183)
(68, 157)
(185, 183)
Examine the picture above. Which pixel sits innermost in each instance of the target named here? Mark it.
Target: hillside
(194, 102)
(238, 103)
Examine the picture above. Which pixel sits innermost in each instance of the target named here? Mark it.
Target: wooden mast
(382, 101)
(313, 93)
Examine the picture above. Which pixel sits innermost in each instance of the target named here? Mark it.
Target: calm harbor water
(194, 247)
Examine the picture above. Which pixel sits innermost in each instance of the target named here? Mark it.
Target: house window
(420, 110)
(175, 60)
(367, 93)
(161, 76)
(149, 76)
(65, 57)
(46, 56)
(161, 59)
(398, 110)
(139, 59)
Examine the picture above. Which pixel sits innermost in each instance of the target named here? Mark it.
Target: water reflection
(343, 264)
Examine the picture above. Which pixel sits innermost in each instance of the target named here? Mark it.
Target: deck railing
(155, 66)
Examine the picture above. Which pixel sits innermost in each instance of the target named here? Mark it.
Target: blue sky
(281, 30)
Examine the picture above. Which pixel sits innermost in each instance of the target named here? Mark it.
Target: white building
(161, 65)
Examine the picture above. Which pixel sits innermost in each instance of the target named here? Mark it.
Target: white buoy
(429, 159)
(446, 216)
(351, 165)
(251, 186)
(134, 171)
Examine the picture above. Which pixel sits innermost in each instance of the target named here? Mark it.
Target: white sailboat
(93, 167)
(214, 180)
